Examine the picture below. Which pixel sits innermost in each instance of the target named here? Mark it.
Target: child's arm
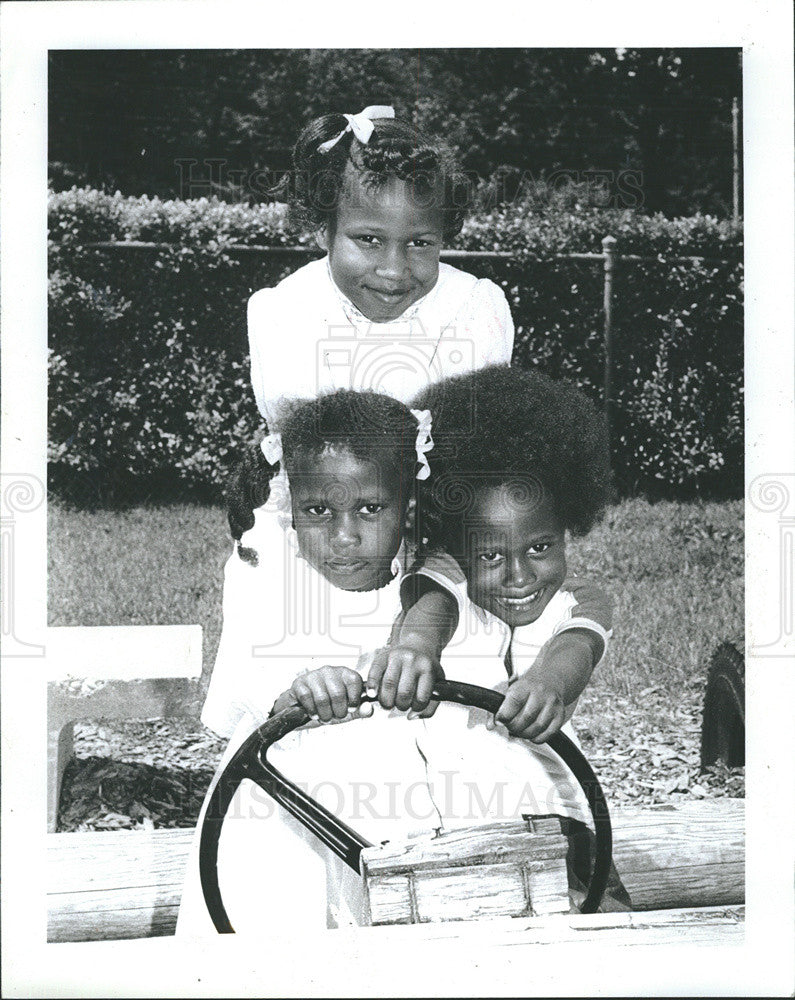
(591, 616)
(535, 704)
(404, 673)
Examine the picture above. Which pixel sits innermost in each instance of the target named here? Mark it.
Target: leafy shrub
(149, 387)
(677, 333)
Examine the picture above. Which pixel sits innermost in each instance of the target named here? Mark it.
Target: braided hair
(506, 425)
(396, 149)
(248, 487)
(370, 425)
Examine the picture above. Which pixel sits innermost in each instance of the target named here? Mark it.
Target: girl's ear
(322, 237)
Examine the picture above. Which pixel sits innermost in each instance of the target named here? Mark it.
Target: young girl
(379, 311)
(333, 562)
(535, 464)
(495, 512)
(351, 458)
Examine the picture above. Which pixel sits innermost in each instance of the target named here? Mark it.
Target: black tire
(723, 725)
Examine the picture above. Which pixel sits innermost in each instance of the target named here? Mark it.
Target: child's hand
(328, 692)
(482, 717)
(403, 676)
(532, 709)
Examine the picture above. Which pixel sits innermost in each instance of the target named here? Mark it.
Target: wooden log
(97, 882)
(682, 856)
(700, 926)
(489, 842)
(112, 885)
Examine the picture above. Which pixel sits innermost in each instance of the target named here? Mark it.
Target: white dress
(306, 337)
(290, 619)
(483, 775)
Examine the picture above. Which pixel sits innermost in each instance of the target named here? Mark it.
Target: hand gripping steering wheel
(251, 762)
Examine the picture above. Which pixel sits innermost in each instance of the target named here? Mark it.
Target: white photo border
(350, 963)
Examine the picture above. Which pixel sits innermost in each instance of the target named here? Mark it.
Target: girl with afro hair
(518, 460)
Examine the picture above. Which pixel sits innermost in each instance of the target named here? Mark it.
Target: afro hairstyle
(506, 425)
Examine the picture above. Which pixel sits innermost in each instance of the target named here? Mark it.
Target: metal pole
(736, 161)
(609, 251)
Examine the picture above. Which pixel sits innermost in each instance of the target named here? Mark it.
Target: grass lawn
(143, 566)
(674, 570)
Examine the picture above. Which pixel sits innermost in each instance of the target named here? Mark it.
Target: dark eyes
(320, 510)
(490, 557)
(371, 241)
(494, 558)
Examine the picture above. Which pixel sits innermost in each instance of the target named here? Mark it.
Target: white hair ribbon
(271, 446)
(424, 442)
(361, 125)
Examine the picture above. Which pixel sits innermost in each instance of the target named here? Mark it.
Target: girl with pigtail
(378, 312)
(353, 460)
(320, 541)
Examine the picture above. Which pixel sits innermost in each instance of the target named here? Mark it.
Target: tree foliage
(133, 120)
(149, 387)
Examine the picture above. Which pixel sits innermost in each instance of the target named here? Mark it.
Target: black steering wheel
(250, 761)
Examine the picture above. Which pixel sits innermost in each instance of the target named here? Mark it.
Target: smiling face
(349, 517)
(383, 246)
(516, 556)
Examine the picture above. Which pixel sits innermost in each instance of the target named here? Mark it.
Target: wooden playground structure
(683, 865)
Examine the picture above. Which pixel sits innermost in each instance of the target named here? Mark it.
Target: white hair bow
(361, 125)
(271, 446)
(424, 442)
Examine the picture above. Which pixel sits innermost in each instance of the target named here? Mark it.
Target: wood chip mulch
(154, 775)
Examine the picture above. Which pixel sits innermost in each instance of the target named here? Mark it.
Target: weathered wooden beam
(682, 856)
(704, 926)
(113, 885)
(125, 884)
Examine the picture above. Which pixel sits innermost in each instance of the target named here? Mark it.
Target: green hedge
(149, 387)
